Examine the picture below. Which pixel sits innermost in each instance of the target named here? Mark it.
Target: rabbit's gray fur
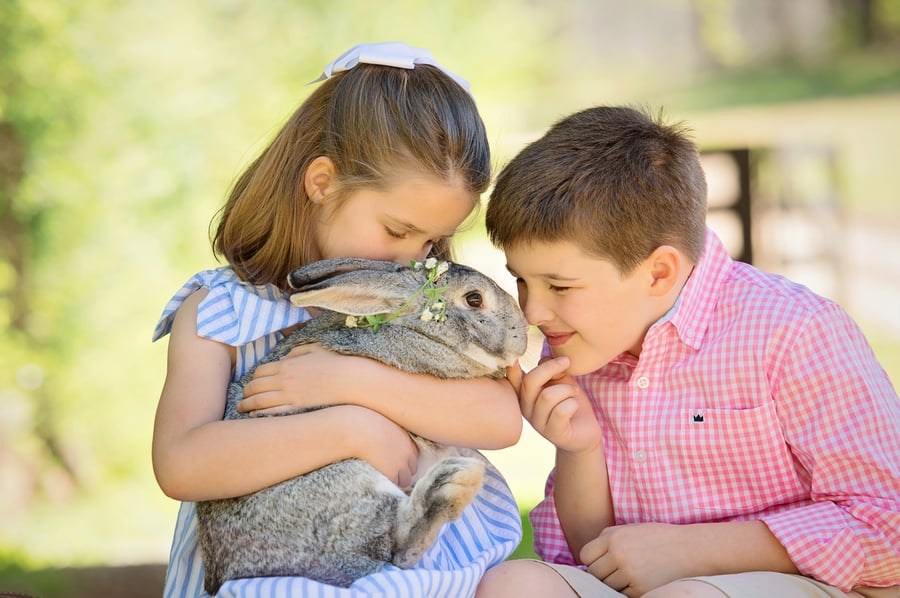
(347, 520)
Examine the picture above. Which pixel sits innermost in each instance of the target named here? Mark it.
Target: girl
(383, 161)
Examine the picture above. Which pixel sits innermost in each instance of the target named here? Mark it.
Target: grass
(526, 547)
(847, 75)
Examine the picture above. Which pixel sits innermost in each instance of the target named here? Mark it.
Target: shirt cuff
(821, 543)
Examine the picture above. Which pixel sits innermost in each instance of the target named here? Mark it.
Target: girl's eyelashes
(395, 234)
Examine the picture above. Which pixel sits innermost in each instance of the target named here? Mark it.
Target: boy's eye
(395, 234)
(557, 289)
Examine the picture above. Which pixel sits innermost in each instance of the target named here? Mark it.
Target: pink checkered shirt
(753, 399)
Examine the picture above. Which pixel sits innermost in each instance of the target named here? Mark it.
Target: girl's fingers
(256, 402)
(258, 386)
(272, 368)
(265, 369)
(270, 411)
(305, 349)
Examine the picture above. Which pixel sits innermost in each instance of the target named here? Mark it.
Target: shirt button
(643, 382)
(640, 456)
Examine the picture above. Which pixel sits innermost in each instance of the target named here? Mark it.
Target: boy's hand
(637, 558)
(556, 406)
(306, 377)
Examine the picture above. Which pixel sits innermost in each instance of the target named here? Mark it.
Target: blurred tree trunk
(13, 234)
(24, 121)
(862, 22)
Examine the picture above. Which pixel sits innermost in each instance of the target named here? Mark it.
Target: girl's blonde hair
(373, 122)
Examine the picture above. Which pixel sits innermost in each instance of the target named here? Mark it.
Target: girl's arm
(198, 456)
(478, 413)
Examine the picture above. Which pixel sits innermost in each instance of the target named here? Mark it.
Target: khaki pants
(757, 584)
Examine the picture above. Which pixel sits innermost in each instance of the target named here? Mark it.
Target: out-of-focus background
(123, 123)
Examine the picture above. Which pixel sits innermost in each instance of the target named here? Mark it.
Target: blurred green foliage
(122, 124)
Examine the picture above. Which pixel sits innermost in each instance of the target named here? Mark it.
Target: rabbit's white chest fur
(489, 361)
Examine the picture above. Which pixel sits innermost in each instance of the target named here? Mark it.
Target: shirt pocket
(732, 462)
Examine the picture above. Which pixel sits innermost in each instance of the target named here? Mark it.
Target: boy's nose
(535, 312)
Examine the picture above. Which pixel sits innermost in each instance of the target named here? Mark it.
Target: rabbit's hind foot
(437, 498)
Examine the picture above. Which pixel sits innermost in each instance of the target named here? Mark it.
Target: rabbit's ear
(318, 271)
(362, 288)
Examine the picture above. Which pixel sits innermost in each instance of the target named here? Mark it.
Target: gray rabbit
(347, 520)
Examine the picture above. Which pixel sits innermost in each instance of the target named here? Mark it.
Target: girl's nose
(424, 250)
(416, 252)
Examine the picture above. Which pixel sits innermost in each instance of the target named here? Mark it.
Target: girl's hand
(304, 378)
(383, 444)
(556, 406)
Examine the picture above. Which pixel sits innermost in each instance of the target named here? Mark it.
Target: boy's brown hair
(374, 122)
(614, 180)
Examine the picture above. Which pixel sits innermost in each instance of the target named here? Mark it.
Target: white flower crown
(435, 307)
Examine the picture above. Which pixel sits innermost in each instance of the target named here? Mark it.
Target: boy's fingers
(547, 370)
(515, 374)
(550, 410)
(533, 387)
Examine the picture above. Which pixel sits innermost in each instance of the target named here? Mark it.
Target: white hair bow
(395, 54)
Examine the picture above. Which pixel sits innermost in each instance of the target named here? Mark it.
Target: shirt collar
(692, 311)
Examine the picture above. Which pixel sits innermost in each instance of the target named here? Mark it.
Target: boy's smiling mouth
(556, 339)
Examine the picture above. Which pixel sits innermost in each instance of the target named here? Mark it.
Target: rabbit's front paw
(439, 497)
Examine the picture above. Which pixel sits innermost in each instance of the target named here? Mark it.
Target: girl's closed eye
(558, 289)
(395, 234)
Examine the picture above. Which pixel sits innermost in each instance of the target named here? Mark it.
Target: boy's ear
(319, 177)
(664, 267)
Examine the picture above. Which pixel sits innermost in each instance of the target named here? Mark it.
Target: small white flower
(417, 265)
(350, 322)
(431, 262)
(426, 316)
(437, 305)
(442, 267)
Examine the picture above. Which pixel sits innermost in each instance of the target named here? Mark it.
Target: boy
(719, 431)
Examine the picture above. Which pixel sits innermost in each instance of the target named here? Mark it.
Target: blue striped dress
(249, 318)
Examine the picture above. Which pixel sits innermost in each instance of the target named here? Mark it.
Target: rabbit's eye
(474, 299)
